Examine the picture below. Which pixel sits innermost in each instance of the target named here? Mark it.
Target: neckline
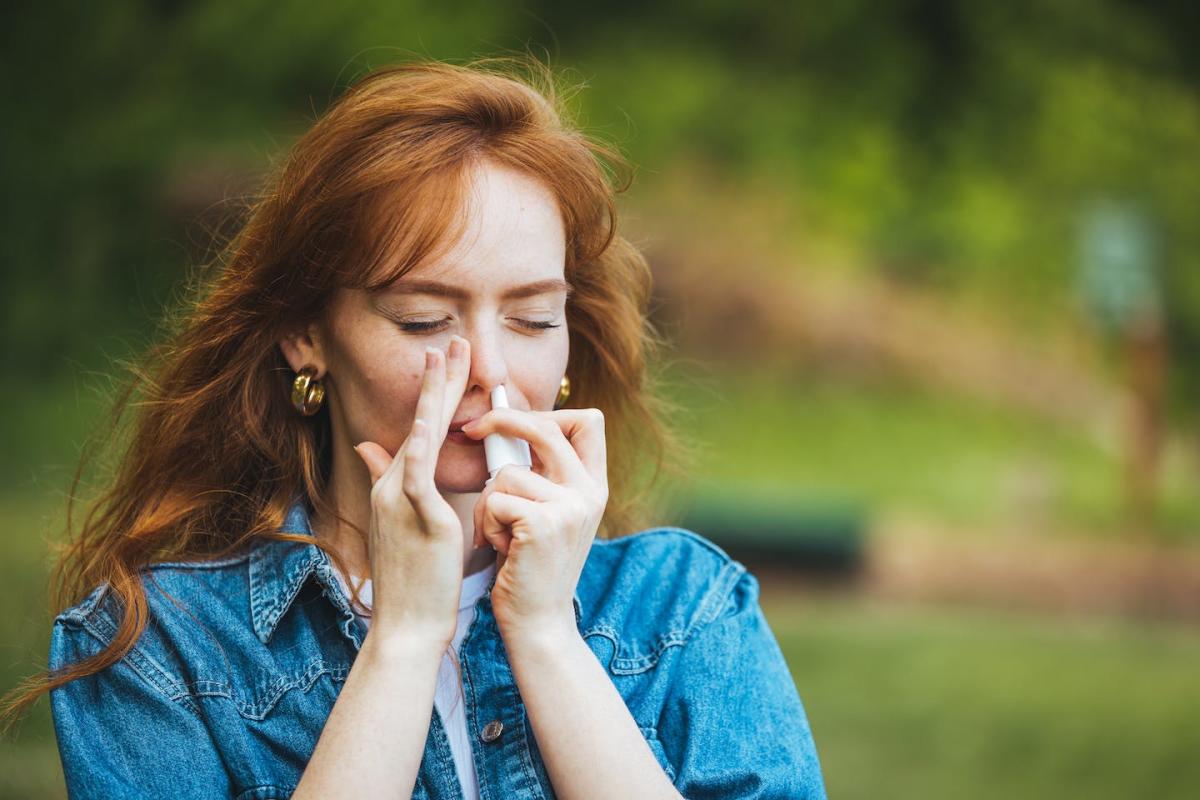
(473, 585)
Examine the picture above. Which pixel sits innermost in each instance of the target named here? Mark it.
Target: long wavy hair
(216, 453)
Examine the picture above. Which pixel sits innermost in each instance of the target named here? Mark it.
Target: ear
(304, 347)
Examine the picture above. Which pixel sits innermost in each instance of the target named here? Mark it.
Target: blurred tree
(1120, 285)
(948, 143)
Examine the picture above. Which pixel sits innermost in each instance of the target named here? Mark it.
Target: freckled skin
(372, 369)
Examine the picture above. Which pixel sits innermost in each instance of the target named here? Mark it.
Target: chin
(461, 473)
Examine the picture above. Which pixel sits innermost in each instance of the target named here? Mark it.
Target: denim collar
(278, 570)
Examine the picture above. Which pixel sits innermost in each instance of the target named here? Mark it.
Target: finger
(521, 482)
(500, 512)
(458, 370)
(426, 406)
(583, 429)
(431, 400)
(418, 474)
(477, 514)
(543, 435)
(500, 541)
(375, 457)
(516, 481)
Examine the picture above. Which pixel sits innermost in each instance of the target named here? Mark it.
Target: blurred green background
(931, 269)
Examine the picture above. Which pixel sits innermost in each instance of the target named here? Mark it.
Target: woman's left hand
(542, 521)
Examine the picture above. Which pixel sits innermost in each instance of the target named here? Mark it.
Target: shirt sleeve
(120, 735)
(733, 715)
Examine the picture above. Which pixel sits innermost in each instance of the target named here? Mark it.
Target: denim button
(491, 731)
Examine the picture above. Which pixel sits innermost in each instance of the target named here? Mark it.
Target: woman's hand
(542, 522)
(416, 538)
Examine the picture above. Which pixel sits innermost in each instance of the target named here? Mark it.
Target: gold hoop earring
(307, 392)
(564, 391)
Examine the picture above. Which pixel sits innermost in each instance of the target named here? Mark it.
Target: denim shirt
(227, 690)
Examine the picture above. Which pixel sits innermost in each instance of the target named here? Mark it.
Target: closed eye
(429, 327)
(417, 327)
(535, 324)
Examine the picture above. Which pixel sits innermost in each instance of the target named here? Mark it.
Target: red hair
(215, 452)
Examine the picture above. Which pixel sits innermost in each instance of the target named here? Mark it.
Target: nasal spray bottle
(500, 449)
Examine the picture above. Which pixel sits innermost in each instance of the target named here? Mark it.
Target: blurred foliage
(899, 451)
(921, 702)
(951, 144)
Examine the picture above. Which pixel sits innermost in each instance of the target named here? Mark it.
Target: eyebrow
(446, 290)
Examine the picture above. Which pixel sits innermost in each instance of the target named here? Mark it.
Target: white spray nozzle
(501, 450)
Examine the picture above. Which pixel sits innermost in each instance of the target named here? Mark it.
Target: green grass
(927, 703)
(28, 759)
(895, 448)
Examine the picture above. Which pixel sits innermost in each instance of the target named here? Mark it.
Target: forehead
(512, 242)
(409, 286)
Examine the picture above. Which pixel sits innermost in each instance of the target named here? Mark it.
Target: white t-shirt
(448, 696)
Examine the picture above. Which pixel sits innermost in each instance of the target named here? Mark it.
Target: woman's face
(370, 349)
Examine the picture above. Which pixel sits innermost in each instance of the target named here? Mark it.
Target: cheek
(540, 374)
(396, 384)
(389, 384)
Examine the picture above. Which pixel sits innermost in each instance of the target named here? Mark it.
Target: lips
(457, 424)
(460, 438)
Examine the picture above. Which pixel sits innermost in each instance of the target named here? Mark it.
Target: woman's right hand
(416, 539)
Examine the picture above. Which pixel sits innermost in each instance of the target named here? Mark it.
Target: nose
(489, 368)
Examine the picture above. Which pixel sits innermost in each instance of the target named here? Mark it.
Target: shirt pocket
(307, 688)
(266, 720)
(630, 655)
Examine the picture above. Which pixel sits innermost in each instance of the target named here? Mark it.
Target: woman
(303, 582)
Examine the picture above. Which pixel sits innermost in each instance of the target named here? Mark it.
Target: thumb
(375, 457)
